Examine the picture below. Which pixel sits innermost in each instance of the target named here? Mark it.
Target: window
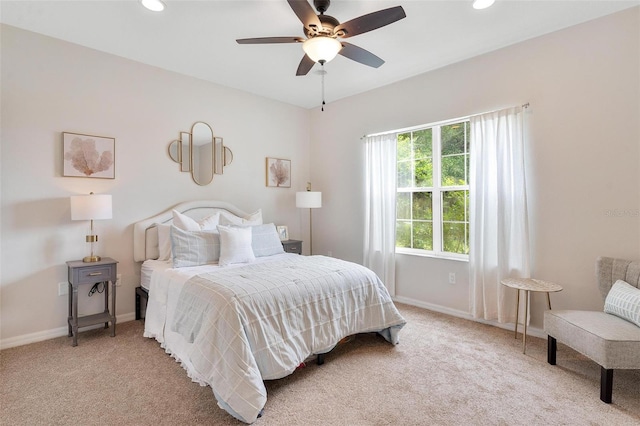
(432, 205)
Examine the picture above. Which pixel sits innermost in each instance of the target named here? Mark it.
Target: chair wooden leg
(606, 384)
(552, 347)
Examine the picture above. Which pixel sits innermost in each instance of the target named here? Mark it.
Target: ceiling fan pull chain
(323, 72)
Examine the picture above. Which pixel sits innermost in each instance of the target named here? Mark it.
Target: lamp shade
(309, 199)
(321, 48)
(91, 207)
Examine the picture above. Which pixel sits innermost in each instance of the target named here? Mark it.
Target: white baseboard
(62, 331)
(39, 336)
(531, 331)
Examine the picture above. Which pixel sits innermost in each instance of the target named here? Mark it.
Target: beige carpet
(445, 371)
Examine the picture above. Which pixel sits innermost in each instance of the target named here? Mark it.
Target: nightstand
(292, 246)
(80, 273)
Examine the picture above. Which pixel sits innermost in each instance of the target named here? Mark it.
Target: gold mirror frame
(200, 153)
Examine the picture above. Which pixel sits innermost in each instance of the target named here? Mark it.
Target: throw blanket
(261, 321)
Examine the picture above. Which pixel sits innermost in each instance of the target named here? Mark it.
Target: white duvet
(234, 327)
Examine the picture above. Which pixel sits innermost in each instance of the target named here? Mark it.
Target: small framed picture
(88, 156)
(278, 173)
(283, 233)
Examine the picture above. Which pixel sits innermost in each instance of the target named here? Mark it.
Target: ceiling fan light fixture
(153, 5)
(482, 4)
(321, 48)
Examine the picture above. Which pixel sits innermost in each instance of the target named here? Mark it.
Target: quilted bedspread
(259, 322)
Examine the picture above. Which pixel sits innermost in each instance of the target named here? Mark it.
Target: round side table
(528, 285)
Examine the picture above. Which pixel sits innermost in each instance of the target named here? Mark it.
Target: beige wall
(49, 87)
(583, 152)
(583, 146)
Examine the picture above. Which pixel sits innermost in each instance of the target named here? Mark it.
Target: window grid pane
(416, 174)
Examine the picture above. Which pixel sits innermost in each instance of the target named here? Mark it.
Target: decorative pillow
(235, 245)
(164, 242)
(254, 218)
(193, 248)
(265, 240)
(623, 301)
(186, 223)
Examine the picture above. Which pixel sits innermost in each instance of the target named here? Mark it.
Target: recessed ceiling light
(155, 5)
(482, 4)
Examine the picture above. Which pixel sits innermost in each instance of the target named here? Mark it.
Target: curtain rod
(406, 129)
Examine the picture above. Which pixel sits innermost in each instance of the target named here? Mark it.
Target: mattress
(147, 270)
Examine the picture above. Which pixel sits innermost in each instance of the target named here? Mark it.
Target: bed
(234, 309)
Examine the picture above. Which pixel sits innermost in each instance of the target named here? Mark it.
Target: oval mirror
(201, 153)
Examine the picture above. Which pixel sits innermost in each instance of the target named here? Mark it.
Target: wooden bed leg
(552, 347)
(606, 384)
(141, 294)
(320, 359)
(137, 305)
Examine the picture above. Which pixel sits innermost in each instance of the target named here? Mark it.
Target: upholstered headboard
(145, 233)
(610, 270)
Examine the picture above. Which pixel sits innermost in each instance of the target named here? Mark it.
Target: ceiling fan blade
(361, 55)
(269, 40)
(369, 22)
(305, 65)
(305, 13)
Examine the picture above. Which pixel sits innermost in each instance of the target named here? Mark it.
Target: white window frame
(437, 191)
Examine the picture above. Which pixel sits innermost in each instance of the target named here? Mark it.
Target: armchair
(610, 341)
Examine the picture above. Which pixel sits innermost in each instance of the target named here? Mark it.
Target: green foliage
(422, 206)
(403, 147)
(403, 205)
(404, 174)
(455, 221)
(423, 235)
(454, 154)
(403, 234)
(415, 178)
(422, 143)
(455, 237)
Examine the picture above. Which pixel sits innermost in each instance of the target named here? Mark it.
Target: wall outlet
(330, 253)
(452, 277)
(63, 288)
(118, 280)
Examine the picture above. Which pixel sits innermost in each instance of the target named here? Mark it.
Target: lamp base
(92, 258)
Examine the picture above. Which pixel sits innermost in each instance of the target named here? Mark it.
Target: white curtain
(380, 208)
(499, 243)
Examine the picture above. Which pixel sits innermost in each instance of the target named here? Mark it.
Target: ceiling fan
(323, 32)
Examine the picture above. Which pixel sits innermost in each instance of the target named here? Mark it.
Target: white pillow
(164, 242)
(265, 240)
(254, 218)
(235, 245)
(623, 301)
(186, 223)
(193, 248)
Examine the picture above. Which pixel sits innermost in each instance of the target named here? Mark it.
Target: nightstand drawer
(292, 246)
(94, 274)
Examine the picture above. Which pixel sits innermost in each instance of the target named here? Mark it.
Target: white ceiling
(197, 38)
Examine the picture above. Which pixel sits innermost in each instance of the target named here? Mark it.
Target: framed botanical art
(278, 173)
(88, 156)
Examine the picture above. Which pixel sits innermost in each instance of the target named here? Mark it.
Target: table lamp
(309, 200)
(91, 207)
